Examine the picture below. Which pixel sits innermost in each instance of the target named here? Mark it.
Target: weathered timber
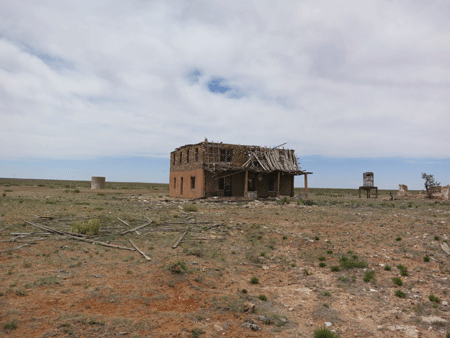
(101, 243)
(16, 248)
(128, 225)
(179, 240)
(134, 229)
(140, 251)
(59, 232)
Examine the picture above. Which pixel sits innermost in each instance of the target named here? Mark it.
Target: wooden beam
(140, 251)
(306, 186)
(179, 240)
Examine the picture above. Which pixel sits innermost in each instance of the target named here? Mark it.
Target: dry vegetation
(370, 268)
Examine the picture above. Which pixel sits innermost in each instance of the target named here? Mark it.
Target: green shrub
(262, 297)
(398, 239)
(254, 280)
(285, 200)
(400, 294)
(88, 227)
(436, 238)
(426, 259)
(323, 332)
(322, 264)
(322, 258)
(244, 291)
(433, 298)
(397, 280)
(369, 276)
(352, 263)
(387, 268)
(190, 208)
(316, 238)
(326, 293)
(9, 326)
(329, 252)
(197, 332)
(403, 270)
(21, 292)
(335, 268)
(178, 267)
(308, 202)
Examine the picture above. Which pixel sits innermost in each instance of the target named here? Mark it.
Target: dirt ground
(326, 262)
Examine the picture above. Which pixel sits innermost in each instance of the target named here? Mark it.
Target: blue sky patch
(217, 85)
(194, 76)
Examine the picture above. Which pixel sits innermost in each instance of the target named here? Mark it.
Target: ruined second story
(218, 157)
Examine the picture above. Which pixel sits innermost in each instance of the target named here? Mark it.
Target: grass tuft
(323, 332)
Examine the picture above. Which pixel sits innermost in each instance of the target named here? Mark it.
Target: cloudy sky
(87, 87)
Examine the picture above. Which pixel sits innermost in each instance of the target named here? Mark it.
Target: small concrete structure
(98, 182)
(368, 184)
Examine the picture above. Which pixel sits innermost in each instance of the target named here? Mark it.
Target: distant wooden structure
(368, 184)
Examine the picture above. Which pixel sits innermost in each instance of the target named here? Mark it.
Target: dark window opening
(187, 156)
(251, 184)
(221, 183)
(226, 155)
(174, 182)
(271, 184)
(196, 154)
(192, 182)
(173, 159)
(181, 157)
(181, 187)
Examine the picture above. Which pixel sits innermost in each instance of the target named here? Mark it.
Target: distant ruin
(441, 193)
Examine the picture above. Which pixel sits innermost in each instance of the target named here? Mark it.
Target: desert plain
(219, 268)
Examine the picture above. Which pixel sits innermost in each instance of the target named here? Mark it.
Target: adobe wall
(175, 184)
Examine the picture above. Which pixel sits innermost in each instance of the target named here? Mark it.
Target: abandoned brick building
(216, 169)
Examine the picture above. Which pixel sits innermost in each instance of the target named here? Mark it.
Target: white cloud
(331, 78)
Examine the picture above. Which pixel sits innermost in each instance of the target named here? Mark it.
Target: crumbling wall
(441, 193)
(191, 158)
(402, 190)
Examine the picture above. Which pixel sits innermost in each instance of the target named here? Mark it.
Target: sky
(110, 88)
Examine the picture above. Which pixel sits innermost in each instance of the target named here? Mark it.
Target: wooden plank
(179, 240)
(16, 248)
(101, 243)
(59, 232)
(134, 229)
(140, 251)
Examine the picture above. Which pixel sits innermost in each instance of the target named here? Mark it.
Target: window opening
(192, 182)
(221, 183)
(226, 155)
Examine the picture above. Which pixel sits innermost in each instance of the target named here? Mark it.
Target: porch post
(246, 184)
(292, 186)
(278, 184)
(306, 186)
